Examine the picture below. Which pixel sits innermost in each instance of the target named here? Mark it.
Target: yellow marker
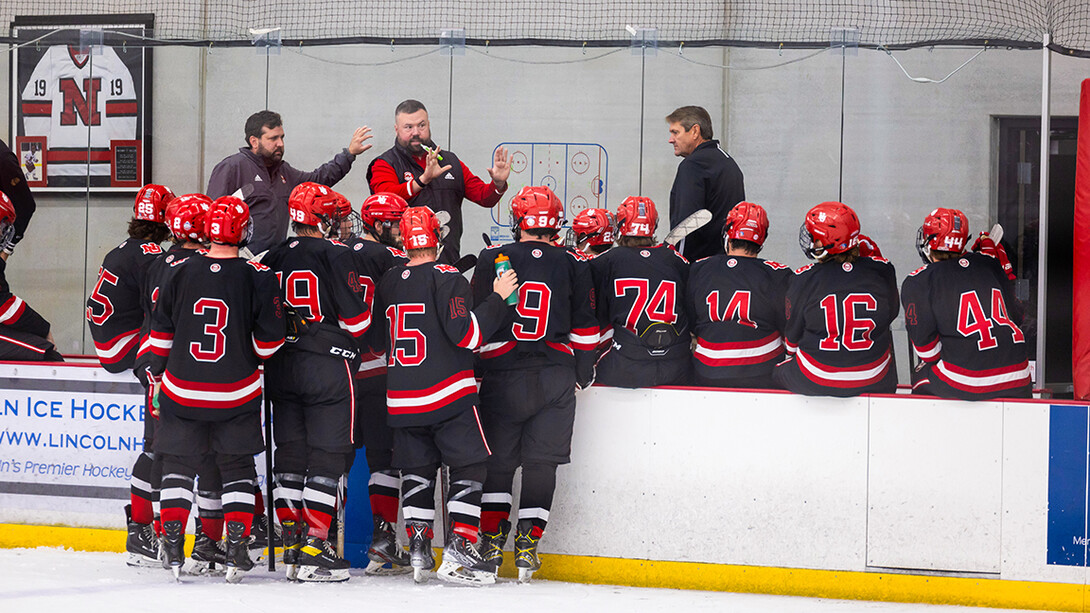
(430, 150)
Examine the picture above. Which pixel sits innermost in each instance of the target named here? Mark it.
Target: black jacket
(707, 179)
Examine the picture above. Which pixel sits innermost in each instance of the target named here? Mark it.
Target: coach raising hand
(266, 180)
(416, 170)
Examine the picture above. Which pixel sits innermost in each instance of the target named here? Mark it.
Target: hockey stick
(996, 233)
(444, 476)
(342, 494)
(466, 262)
(487, 241)
(270, 502)
(687, 226)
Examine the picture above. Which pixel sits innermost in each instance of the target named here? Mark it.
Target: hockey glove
(984, 244)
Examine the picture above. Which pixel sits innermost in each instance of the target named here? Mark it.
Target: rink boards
(884, 497)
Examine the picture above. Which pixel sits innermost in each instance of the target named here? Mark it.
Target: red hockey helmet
(942, 230)
(420, 229)
(536, 207)
(185, 217)
(637, 217)
(746, 222)
(228, 222)
(595, 226)
(830, 228)
(312, 204)
(151, 202)
(383, 207)
(7, 219)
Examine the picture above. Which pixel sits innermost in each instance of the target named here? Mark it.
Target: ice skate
(491, 545)
(526, 560)
(208, 555)
(238, 552)
(386, 556)
(291, 532)
(173, 547)
(260, 537)
(462, 564)
(141, 545)
(420, 554)
(318, 562)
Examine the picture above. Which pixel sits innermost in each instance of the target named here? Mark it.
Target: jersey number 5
(104, 276)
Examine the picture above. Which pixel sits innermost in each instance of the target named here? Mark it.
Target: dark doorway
(1018, 176)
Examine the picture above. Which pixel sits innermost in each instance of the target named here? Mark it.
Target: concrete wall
(908, 147)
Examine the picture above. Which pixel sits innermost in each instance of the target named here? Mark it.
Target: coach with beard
(415, 169)
(264, 180)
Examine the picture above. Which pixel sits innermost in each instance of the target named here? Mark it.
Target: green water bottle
(503, 264)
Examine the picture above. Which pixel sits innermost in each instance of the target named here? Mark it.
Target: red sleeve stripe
(120, 108)
(356, 326)
(472, 339)
(13, 341)
(12, 310)
(264, 350)
(37, 109)
(116, 348)
(983, 381)
(584, 339)
(371, 366)
(930, 351)
(495, 350)
(160, 343)
(212, 395)
(409, 402)
(562, 347)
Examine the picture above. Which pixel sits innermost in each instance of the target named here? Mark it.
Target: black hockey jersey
(372, 261)
(737, 307)
(838, 318)
(554, 319)
(215, 321)
(114, 313)
(319, 280)
(962, 318)
(432, 335)
(641, 300)
(161, 267)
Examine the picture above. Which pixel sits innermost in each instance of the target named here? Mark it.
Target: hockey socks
(141, 491)
(383, 489)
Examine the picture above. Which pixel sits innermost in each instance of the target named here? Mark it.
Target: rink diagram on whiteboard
(576, 172)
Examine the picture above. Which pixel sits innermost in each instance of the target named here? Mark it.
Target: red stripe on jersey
(212, 395)
(118, 108)
(562, 347)
(473, 335)
(160, 343)
(95, 155)
(739, 353)
(585, 339)
(37, 109)
(495, 350)
(982, 381)
(8, 339)
(265, 349)
(12, 310)
(411, 402)
(928, 352)
(115, 349)
(844, 377)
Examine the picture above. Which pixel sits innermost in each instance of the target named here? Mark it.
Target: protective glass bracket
(90, 41)
(645, 41)
(452, 42)
(845, 39)
(266, 40)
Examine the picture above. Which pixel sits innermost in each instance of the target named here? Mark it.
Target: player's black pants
(528, 417)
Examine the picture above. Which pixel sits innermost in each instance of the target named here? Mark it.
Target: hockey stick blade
(487, 241)
(466, 262)
(996, 233)
(687, 226)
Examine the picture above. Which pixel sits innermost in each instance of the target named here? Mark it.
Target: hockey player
(641, 299)
(377, 251)
(432, 396)
(531, 369)
(217, 317)
(838, 312)
(310, 383)
(961, 318)
(114, 316)
(736, 299)
(593, 231)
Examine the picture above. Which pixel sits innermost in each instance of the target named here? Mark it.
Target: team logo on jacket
(536, 253)
(645, 253)
(405, 275)
(293, 244)
(358, 246)
(847, 266)
(963, 263)
(214, 268)
(731, 263)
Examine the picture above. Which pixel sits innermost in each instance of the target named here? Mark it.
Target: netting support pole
(643, 90)
(843, 82)
(1042, 227)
